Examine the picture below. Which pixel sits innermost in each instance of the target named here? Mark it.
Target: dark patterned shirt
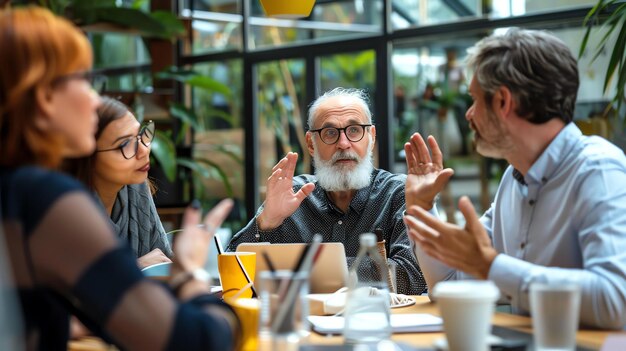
(380, 205)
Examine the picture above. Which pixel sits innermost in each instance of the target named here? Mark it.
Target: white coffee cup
(466, 307)
(554, 309)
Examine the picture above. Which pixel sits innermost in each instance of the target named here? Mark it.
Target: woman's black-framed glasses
(128, 148)
(330, 135)
(97, 81)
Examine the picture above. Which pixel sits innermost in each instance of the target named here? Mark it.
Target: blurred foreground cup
(466, 307)
(554, 310)
(247, 311)
(231, 275)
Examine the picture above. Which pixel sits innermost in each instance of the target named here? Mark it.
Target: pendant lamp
(290, 9)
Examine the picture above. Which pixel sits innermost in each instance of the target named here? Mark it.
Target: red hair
(37, 47)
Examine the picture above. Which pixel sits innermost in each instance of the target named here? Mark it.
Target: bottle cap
(367, 239)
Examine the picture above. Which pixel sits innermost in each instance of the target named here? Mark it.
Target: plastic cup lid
(466, 289)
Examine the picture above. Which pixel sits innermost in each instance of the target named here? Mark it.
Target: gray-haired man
(347, 196)
(559, 215)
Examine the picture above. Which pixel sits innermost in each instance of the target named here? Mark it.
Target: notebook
(329, 273)
(400, 323)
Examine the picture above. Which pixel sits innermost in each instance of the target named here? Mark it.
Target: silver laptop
(330, 271)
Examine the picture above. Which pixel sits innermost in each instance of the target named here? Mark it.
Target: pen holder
(284, 309)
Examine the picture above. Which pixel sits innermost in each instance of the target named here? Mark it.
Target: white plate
(409, 301)
(442, 343)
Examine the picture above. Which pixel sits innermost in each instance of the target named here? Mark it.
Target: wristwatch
(183, 278)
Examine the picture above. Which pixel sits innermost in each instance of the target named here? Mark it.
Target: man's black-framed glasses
(330, 135)
(97, 81)
(128, 148)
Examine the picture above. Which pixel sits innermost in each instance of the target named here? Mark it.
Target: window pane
(522, 7)
(430, 97)
(107, 53)
(130, 82)
(223, 6)
(351, 70)
(415, 13)
(213, 32)
(222, 142)
(281, 112)
(334, 21)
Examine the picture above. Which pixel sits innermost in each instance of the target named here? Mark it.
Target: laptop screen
(329, 273)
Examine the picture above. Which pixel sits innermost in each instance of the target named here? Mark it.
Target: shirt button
(340, 222)
(522, 245)
(531, 202)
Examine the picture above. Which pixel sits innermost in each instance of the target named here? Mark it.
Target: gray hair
(359, 95)
(538, 68)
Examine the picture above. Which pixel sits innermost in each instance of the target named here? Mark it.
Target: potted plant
(172, 149)
(107, 15)
(614, 12)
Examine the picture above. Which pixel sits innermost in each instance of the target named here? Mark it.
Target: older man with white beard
(347, 196)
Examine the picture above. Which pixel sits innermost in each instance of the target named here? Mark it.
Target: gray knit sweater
(136, 222)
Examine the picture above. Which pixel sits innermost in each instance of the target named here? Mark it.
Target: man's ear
(45, 107)
(373, 133)
(309, 143)
(503, 103)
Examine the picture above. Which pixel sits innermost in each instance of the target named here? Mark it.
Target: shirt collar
(553, 156)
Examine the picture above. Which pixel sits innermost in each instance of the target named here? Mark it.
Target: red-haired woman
(63, 255)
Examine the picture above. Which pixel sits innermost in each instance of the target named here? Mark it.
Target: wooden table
(592, 339)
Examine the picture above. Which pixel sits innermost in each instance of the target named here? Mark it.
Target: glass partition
(351, 70)
(332, 20)
(282, 120)
(108, 55)
(510, 8)
(417, 13)
(219, 145)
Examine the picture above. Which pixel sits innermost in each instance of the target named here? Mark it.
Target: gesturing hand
(426, 176)
(281, 201)
(192, 244)
(467, 249)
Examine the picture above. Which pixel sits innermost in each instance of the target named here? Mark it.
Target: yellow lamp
(288, 8)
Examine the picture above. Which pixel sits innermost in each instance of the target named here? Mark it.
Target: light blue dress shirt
(567, 223)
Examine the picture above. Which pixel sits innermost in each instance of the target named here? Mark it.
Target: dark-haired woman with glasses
(117, 173)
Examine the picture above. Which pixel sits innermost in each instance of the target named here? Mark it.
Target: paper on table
(400, 323)
(614, 342)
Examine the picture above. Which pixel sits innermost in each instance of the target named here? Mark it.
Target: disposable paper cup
(466, 308)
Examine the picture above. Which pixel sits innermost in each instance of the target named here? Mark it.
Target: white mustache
(344, 155)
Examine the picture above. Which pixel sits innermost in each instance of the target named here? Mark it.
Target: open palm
(281, 201)
(426, 176)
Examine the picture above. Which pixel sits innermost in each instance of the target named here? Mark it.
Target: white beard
(337, 177)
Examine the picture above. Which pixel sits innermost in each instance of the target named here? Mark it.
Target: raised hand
(466, 249)
(426, 176)
(281, 201)
(192, 244)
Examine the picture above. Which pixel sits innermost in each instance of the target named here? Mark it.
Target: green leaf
(150, 25)
(164, 152)
(173, 26)
(617, 57)
(233, 155)
(222, 175)
(215, 113)
(175, 73)
(186, 115)
(209, 84)
(203, 167)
